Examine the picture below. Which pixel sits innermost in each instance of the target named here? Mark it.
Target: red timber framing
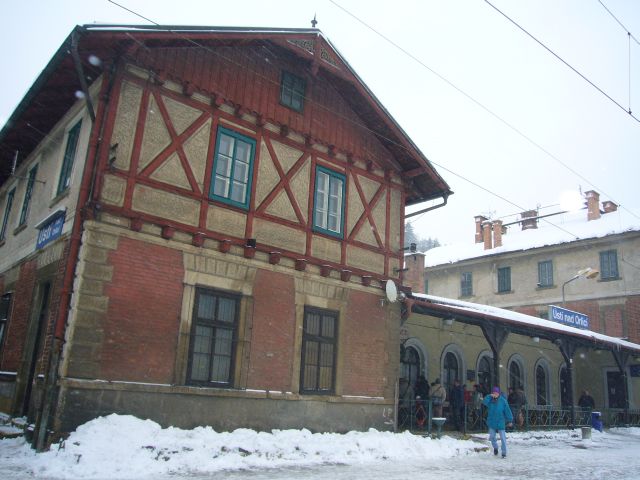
(211, 112)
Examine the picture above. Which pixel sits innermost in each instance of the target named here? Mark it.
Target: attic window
(292, 90)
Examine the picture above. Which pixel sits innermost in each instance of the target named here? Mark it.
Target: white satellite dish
(391, 291)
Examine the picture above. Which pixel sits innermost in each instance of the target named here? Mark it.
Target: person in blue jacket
(499, 416)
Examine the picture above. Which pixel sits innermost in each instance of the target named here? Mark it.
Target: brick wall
(145, 298)
(632, 315)
(365, 356)
(19, 320)
(414, 276)
(272, 337)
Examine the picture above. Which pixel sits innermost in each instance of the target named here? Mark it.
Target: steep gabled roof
(54, 91)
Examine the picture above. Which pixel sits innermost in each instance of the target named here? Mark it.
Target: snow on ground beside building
(564, 228)
(120, 446)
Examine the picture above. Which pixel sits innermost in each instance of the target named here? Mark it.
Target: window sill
(611, 279)
(545, 287)
(19, 228)
(504, 293)
(60, 196)
(466, 296)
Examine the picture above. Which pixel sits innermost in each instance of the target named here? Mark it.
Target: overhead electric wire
(486, 109)
(619, 22)
(378, 133)
(562, 60)
(391, 140)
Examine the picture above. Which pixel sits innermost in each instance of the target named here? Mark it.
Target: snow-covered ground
(124, 447)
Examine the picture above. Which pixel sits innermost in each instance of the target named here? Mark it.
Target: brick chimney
(593, 205)
(497, 233)
(414, 276)
(486, 234)
(528, 219)
(479, 219)
(608, 206)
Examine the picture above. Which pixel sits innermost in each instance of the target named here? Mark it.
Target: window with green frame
(328, 207)
(69, 156)
(504, 279)
(292, 90)
(466, 284)
(212, 342)
(27, 195)
(232, 168)
(7, 213)
(319, 345)
(545, 273)
(609, 265)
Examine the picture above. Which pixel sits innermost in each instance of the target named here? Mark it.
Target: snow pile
(126, 447)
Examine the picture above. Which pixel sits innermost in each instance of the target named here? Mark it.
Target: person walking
(499, 416)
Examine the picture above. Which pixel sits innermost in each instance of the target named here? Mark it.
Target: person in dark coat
(499, 416)
(457, 404)
(586, 400)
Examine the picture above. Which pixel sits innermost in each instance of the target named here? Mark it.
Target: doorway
(42, 300)
(615, 390)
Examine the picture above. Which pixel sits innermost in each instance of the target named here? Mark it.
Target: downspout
(445, 198)
(79, 70)
(75, 242)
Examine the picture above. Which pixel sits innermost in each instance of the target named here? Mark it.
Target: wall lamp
(448, 321)
(535, 339)
(585, 272)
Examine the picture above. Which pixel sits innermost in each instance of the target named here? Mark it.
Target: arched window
(485, 373)
(541, 385)
(410, 364)
(564, 387)
(515, 377)
(450, 370)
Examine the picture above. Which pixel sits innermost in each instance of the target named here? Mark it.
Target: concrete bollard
(586, 433)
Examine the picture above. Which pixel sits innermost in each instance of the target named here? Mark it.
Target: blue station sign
(50, 228)
(568, 317)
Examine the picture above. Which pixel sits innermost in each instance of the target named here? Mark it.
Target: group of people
(503, 410)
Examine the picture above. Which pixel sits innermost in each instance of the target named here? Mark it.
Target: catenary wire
(364, 127)
(562, 60)
(486, 109)
(619, 22)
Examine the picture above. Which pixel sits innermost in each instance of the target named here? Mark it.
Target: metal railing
(416, 416)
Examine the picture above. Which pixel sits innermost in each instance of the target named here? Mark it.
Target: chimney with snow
(497, 233)
(528, 219)
(593, 205)
(608, 206)
(479, 220)
(486, 234)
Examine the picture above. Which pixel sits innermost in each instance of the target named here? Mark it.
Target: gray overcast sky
(465, 41)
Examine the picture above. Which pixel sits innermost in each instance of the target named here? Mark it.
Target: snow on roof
(562, 228)
(526, 320)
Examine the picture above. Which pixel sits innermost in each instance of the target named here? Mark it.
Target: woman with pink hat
(499, 416)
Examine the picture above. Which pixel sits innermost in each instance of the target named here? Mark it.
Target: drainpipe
(433, 207)
(81, 77)
(75, 242)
